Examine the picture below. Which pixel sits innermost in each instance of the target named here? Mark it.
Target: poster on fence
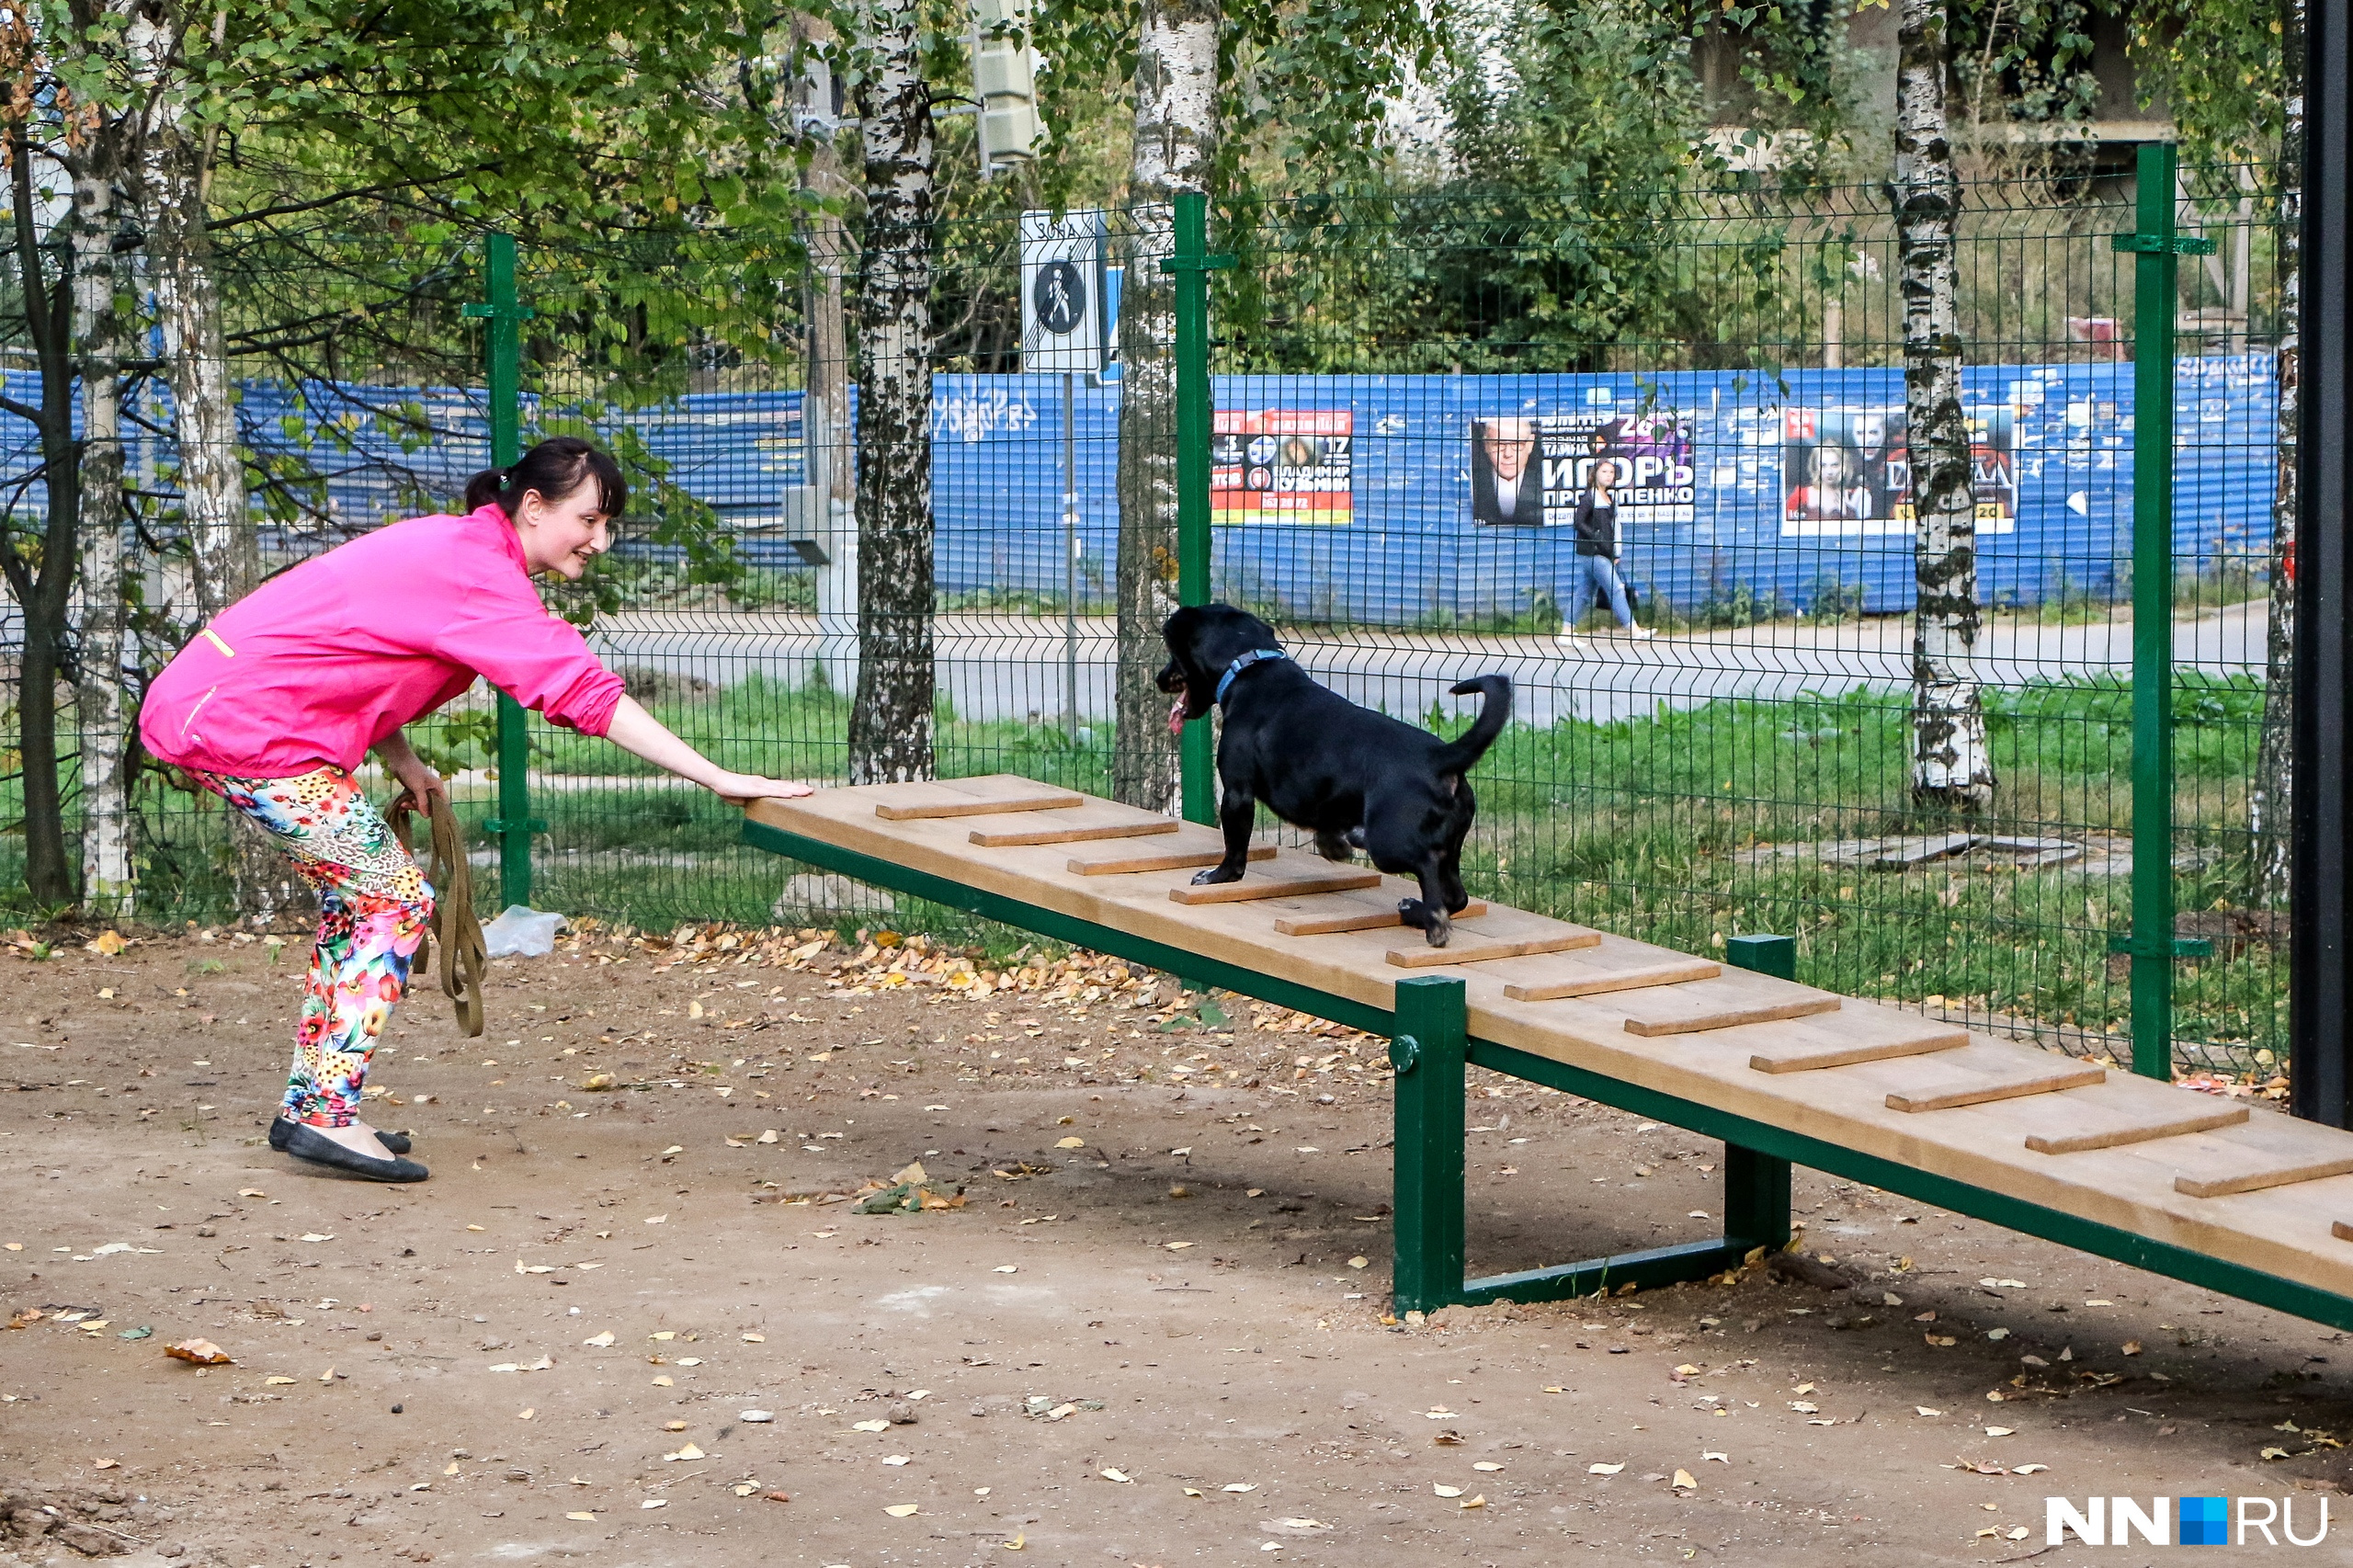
(1847, 472)
(1530, 470)
(1283, 465)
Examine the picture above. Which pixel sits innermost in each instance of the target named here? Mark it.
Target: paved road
(1014, 666)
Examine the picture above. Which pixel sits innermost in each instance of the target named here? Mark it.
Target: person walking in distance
(273, 705)
(1596, 579)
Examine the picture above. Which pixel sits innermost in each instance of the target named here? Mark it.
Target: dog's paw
(1438, 931)
(1216, 874)
(1414, 913)
(1332, 847)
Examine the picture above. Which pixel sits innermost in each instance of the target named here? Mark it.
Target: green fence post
(1191, 264)
(1756, 1186)
(2157, 250)
(503, 367)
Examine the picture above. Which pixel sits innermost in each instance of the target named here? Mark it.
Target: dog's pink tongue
(1177, 716)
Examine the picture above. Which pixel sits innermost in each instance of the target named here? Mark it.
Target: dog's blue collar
(1254, 655)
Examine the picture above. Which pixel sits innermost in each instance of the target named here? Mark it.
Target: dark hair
(555, 468)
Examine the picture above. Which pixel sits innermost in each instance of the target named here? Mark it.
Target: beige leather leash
(463, 954)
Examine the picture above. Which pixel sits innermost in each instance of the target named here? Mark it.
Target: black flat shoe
(307, 1142)
(397, 1142)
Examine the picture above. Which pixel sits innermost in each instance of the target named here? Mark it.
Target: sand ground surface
(637, 1316)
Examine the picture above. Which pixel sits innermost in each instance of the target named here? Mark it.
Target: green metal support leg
(1433, 1031)
(1756, 1186)
(1428, 1052)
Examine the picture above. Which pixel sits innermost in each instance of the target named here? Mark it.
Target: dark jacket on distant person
(1596, 527)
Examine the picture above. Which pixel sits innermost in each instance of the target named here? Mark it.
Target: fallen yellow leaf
(586, 1519)
(1683, 1479)
(1070, 1143)
(901, 1510)
(202, 1352)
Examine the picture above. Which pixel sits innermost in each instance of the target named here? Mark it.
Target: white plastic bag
(521, 932)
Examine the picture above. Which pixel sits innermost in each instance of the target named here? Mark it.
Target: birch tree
(891, 721)
(103, 705)
(1175, 147)
(68, 276)
(2230, 74)
(173, 179)
(825, 401)
(1951, 765)
(2268, 801)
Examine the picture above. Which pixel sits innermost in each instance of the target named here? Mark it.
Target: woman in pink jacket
(275, 703)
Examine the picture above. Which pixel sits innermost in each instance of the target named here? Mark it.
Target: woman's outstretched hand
(640, 732)
(740, 788)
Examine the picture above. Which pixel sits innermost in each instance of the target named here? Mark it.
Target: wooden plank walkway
(2261, 1191)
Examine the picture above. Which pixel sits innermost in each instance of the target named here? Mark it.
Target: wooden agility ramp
(2258, 1205)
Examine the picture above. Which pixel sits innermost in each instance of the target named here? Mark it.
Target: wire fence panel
(1411, 400)
(1740, 758)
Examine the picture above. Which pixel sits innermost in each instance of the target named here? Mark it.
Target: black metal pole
(2321, 873)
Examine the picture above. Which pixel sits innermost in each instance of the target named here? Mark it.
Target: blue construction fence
(1389, 500)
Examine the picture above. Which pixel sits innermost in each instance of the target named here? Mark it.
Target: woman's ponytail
(555, 468)
(484, 488)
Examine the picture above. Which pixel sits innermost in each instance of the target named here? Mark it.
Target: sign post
(1064, 322)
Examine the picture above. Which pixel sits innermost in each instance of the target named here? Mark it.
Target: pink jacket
(319, 664)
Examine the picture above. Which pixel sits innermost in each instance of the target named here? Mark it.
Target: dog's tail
(1463, 754)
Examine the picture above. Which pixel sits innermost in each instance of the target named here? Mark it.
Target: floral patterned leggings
(374, 909)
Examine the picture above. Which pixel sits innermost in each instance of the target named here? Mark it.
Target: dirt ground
(1154, 1330)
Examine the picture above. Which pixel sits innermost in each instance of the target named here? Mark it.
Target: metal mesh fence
(1410, 396)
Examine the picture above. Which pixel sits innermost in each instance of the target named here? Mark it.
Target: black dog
(1355, 779)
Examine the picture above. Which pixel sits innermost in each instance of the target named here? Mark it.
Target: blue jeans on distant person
(1597, 580)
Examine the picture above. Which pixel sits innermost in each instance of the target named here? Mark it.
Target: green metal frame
(503, 366)
(1431, 1047)
(2157, 251)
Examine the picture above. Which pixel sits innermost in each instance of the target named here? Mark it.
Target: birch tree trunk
(175, 172)
(825, 403)
(2275, 774)
(1175, 142)
(889, 723)
(101, 656)
(1951, 765)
